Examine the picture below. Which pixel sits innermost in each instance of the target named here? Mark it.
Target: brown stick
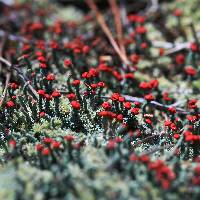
(118, 23)
(8, 64)
(153, 150)
(8, 76)
(144, 140)
(106, 30)
(155, 104)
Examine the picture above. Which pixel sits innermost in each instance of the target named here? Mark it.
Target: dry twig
(15, 67)
(155, 104)
(118, 24)
(107, 31)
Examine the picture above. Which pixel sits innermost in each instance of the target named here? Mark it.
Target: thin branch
(20, 74)
(8, 76)
(153, 150)
(6, 62)
(152, 8)
(118, 23)
(180, 46)
(155, 104)
(106, 30)
(144, 140)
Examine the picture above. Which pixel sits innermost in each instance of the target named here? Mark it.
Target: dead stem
(107, 31)
(155, 104)
(8, 64)
(118, 24)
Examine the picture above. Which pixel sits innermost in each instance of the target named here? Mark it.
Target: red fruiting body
(176, 136)
(14, 86)
(76, 105)
(101, 84)
(144, 158)
(135, 58)
(189, 138)
(191, 118)
(102, 113)
(10, 104)
(192, 104)
(144, 45)
(36, 26)
(120, 117)
(149, 97)
(50, 77)
(118, 139)
(106, 105)
(115, 96)
(55, 145)
(45, 151)
(55, 94)
(172, 110)
(93, 86)
(93, 72)
(48, 97)
(190, 71)
(39, 147)
(69, 138)
(127, 105)
(121, 99)
(168, 123)
(43, 65)
(154, 83)
(141, 30)
(85, 75)
(149, 85)
(41, 59)
(166, 96)
(111, 144)
(194, 47)
(137, 104)
(54, 45)
(47, 140)
(67, 62)
(133, 158)
(117, 75)
(42, 114)
(12, 143)
(41, 92)
(178, 12)
(148, 121)
(180, 59)
(173, 126)
(135, 111)
(71, 96)
(136, 18)
(161, 51)
(129, 76)
(39, 53)
(86, 49)
(144, 85)
(76, 82)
